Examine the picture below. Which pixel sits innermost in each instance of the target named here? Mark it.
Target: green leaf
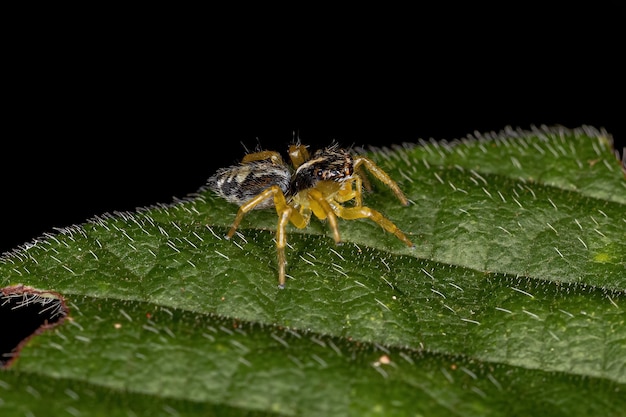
(511, 304)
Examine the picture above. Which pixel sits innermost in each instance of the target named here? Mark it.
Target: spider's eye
(319, 174)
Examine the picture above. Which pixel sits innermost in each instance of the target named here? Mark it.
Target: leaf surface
(510, 304)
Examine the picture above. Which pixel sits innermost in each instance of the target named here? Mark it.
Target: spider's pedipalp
(347, 192)
(322, 210)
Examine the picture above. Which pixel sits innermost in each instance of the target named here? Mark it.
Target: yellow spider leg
(279, 202)
(259, 156)
(322, 210)
(382, 176)
(273, 191)
(281, 242)
(285, 214)
(351, 213)
(298, 155)
(359, 172)
(347, 192)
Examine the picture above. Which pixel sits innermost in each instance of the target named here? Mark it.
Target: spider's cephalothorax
(328, 164)
(316, 184)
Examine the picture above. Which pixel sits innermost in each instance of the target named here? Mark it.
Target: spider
(315, 184)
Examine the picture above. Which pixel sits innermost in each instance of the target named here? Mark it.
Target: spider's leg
(286, 214)
(259, 156)
(273, 191)
(382, 176)
(359, 171)
(347, 192)
(351, 213)
(281, 241)
(322, 210)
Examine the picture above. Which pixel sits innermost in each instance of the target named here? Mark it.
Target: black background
(111, 114)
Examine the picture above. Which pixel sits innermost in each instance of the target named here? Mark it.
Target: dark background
(114, 114)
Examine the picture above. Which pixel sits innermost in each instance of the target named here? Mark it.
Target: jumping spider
(316, 184)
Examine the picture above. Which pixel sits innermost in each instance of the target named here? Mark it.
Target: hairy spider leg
(281, 241)
(300, 218)
(286, 213)
(366, 184)
(316, 203)
(347, 192)
(279, 202)
(352, 213)
(382, 176)
(259, 156)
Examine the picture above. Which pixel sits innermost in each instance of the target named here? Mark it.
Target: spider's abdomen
(240, 183)
(329, 164)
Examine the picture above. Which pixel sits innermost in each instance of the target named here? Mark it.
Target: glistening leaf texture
(510, 304)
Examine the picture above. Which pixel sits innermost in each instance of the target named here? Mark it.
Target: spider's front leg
(382, 176)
